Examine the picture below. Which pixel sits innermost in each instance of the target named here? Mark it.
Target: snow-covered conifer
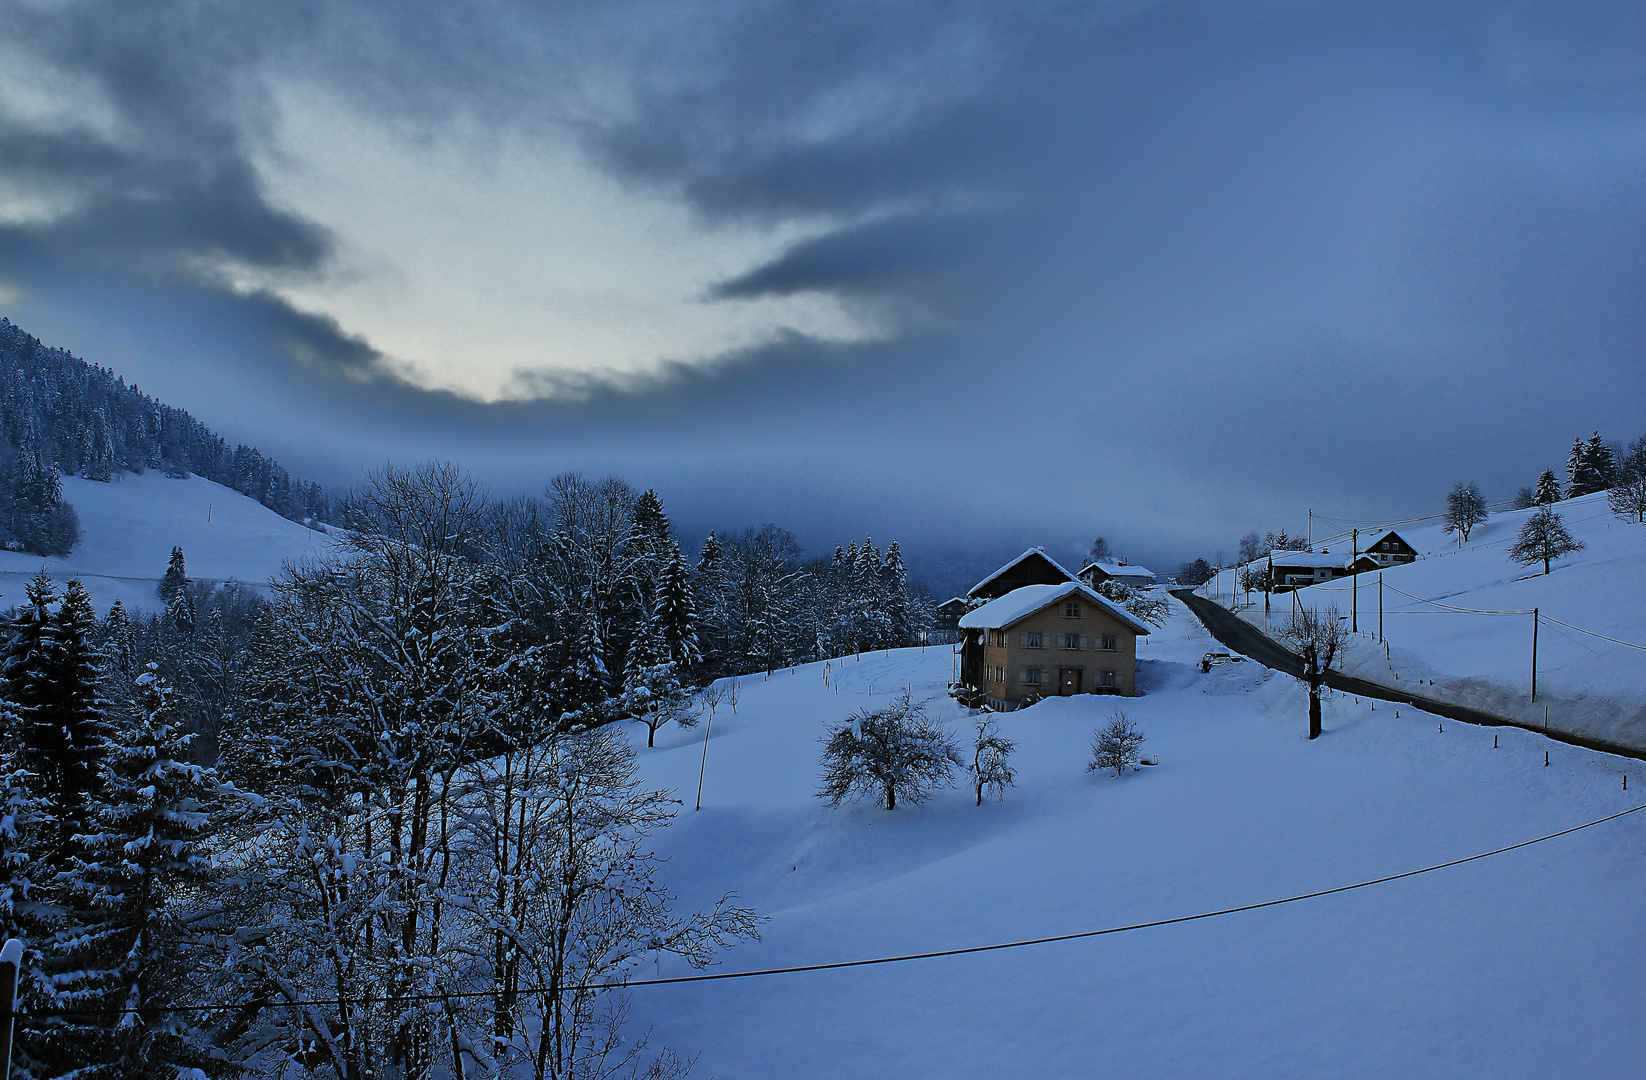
(122, 970)
(1547, 490)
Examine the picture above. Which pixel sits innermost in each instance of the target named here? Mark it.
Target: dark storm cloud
(1228, 258)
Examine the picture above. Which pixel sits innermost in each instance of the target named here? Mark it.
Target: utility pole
(1534, 658)
(1268, 588)
(1311, 528)
(1380, 605)
(704, 764)
(1354, 575)
(11, 962)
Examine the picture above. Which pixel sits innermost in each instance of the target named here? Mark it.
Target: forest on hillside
(61, 414)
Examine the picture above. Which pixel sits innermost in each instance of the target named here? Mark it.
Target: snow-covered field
(1588, 685)
(129, 527)
(1526, 964)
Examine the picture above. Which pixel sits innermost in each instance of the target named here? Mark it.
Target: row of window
(1030, 639)
(1034, 677)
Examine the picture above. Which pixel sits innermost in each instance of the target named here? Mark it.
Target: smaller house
(1138, 577)
(1297, 569)
(1048, 640)
(1033, 567)
(1390, 550)
(949, 612)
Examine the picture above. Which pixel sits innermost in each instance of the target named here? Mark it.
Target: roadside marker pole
(704, 764)
(11, 961)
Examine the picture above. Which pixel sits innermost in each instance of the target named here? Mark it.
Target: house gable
(1033, 567)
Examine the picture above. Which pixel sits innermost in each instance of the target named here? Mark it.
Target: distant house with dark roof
(1138, 577)
(1047, 640)
(1033, 567)
(1391, 550)
(949, 612)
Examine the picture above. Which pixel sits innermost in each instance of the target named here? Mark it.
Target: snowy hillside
(1523, 965)
(129, 527)
(1589, 685)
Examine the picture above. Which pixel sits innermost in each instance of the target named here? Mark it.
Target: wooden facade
(1062, 641)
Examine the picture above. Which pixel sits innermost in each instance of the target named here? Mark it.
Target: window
(1031, 676)
(1032, 640)
(1110, 643)
(1071, 641)
(1071, 611)
(1106, 679)
(998, 674)
(998, 638)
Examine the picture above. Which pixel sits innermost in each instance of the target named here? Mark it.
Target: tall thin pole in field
(704, 764)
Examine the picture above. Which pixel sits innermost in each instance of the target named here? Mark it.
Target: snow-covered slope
(1522, 965)
(1588, 685)
(129, 527)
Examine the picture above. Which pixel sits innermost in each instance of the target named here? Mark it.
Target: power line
(899, 959)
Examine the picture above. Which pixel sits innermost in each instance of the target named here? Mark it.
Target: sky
(978, 276)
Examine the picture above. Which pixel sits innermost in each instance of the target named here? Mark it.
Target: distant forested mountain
(59, 413)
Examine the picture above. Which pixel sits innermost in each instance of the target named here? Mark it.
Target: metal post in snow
(11, 962)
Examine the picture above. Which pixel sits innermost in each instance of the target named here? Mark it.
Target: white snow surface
(1588, 686)
(1021, 603)
(129, 526)
(1527, 964)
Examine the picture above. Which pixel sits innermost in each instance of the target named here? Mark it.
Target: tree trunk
(891, 797)
(1314, 707)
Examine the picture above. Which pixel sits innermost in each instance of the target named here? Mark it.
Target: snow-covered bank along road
(1526, 964)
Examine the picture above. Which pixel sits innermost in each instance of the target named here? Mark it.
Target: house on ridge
(1047, 640)
(1033, 567)
(948, 614)
(1138, 577)
(1391, 550)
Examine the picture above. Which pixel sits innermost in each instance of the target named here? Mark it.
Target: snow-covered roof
(961, 600)
(1030, 552)
(1119, 569)
(1019, 604)
(1335, 559)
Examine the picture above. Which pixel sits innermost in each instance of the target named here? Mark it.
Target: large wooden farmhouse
(1046, 640)
(1033, 567)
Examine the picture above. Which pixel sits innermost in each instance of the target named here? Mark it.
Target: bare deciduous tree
(1116, 746)
(891, 753)
(1543, 539)
(1465, 508)
(990, 768)
(1319, 636)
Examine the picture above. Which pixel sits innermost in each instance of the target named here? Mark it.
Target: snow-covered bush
(891, 753)
(1116, 746)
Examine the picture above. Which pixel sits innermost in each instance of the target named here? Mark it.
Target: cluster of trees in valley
(386, 823)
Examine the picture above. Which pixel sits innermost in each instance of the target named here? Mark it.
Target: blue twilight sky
(977, 275)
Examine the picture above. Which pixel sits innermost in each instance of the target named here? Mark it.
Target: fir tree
(1590, 467)
(121, 972)
(176, 578)
(1547, 491)
(677, 614)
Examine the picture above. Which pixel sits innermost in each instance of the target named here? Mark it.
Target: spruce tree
(1578, 479)
(677, 614)
(1600, 462)
(1547, 491)
(176, 579)
(123, 970)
